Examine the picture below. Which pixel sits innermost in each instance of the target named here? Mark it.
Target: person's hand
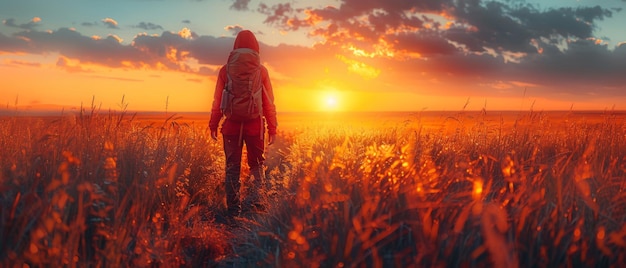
(214, 134)
(271, 138)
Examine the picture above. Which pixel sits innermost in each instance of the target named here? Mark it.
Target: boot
(232, 196)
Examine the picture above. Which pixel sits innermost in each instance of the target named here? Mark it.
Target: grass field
(470, 189)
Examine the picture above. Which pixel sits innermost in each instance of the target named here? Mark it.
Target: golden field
(424, 189)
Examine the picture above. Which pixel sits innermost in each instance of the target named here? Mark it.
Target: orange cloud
(109, 22)
(21, 63)
(234, 29)
(360, 68)
(185, 33)
(71, 66)
(117, 38)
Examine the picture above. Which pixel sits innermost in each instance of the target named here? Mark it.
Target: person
(251, 132)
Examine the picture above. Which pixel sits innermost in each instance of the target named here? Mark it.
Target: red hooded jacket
(245, 39)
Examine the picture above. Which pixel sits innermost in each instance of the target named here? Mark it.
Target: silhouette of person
(250, 132)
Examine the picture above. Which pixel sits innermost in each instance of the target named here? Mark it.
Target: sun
(330, 101)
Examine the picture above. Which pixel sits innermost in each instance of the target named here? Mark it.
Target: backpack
(242, 96)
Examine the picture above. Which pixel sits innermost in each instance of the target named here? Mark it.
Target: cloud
(504, 28)
(117, 78)
(110, 23)
(89, 24)
(70, 66)
(186, 33)
(168, 51)
(186, 21)
(584, 62)
(283, 16)
(22, 63)
(26, 26)
(360, 68)
(473, 26)
(473, 40)
(148, 26)
(429, 47)
(69, 43)
(240, 4)
(171, 51)
(424, 44)
(234, 29)
(116, 38)
(12, 44)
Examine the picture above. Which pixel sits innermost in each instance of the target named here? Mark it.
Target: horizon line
(62, 112)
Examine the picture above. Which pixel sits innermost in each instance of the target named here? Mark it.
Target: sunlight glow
(360, 68)
(330, 100)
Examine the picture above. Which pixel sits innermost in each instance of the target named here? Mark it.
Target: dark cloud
(584, 61)
(282, 15)
(381, 15)
(10, 22)
(89, 24)
(26, 26)
(169, 49)
(424, 44)
(210, 50)
(583, 69)
(107, 51)
(186, 21)
(240, 4)
(12, 44)
(489, 26)
(159, 48)
(477, 25)
(362, 24)
(503, 28)
(148, 26)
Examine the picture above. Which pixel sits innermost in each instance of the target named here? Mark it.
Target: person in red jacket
(251, 133)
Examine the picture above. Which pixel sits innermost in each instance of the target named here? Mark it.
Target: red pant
(233, 149)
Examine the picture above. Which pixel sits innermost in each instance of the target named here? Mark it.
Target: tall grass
(474, 193)
(104, 190)
(110, 190)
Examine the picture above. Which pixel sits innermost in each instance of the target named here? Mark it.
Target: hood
(246, 39)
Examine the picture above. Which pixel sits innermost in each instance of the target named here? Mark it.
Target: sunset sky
(344, 55)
